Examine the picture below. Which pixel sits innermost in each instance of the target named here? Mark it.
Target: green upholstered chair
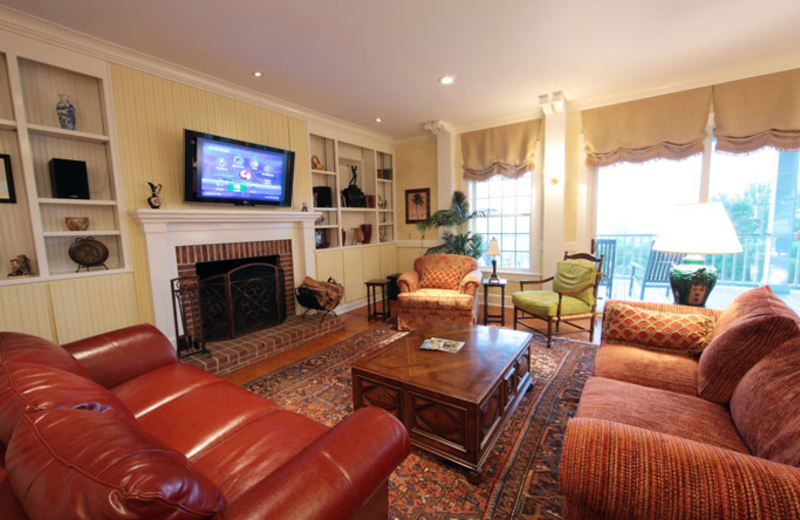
(573, 297)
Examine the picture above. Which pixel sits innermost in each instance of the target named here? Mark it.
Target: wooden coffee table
(453, 405)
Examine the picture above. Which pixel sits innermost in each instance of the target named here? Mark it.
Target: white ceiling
(362, 59)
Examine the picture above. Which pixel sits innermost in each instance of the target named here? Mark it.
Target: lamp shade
(699, 229)
(494, 248)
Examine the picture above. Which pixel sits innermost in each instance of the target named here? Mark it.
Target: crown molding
(35, 28)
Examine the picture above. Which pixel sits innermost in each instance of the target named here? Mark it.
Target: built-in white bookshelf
(332, 161)
(31, 82)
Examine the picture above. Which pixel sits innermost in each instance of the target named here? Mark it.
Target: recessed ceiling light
(257, 74)
(378, 120)
(447, 80)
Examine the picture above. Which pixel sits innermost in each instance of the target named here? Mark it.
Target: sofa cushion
(25, 387)
(84, 464)
(766, 405)
(440, 278)
(435, 299)
(752, 326)
(225, 407)
(670, 332)
(253, 452)
(673, 372)
(545, 303)
(24, 348)
(658, 410)
(148, 391)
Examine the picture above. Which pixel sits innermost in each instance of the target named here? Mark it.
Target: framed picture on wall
(418, 205)
(7, 194)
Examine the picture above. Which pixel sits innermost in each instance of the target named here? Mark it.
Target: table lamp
(494, 252)
(696, 229)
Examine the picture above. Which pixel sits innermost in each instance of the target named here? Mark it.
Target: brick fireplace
(178, 239)
(188, 256)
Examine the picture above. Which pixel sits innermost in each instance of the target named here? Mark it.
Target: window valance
(504, 150)
(757, 112)
(669, 127)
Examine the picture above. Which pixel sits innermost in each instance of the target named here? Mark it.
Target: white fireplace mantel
(165, 230)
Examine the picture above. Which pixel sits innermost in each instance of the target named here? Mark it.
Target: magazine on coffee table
(443, 345)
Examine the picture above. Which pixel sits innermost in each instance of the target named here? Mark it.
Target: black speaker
(69, 179)
(323, 197)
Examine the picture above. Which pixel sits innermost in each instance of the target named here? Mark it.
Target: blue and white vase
(66, 112)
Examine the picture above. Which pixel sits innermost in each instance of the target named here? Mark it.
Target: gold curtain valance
(504, 150)
(668, 127)
(757, 112)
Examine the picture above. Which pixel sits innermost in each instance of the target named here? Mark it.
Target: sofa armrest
(619, 471)
(117, 356)
(408, 282)
(470, 283)
(332, 477)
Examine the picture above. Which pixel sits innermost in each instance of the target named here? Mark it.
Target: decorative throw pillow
(679, 333)
(752, 326)
(438, 278)
(766, 405)
(25, 388)
(82, 464)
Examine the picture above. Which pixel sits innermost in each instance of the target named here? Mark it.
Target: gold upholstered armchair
(573, 297)
(439, 288)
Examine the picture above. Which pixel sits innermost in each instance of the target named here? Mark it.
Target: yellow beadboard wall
(15, 224)
(363, 263)
(68, 310)
(417, 164)
(6, 107)
(151, 115)
(26, 308)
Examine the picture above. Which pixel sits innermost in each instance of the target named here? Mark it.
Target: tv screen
(227, 171)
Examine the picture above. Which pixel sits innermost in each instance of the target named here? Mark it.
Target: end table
(372, 299)
(494, 318)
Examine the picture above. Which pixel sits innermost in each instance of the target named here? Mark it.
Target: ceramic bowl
(77, 223)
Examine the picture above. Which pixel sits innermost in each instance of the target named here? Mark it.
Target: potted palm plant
(457, 238)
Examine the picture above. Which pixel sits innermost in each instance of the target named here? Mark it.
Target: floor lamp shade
(697, 230)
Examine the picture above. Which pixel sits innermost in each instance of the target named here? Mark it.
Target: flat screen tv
(227, 171)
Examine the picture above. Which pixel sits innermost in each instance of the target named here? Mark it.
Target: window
(759, 191)
(508, 203)
(635, 198)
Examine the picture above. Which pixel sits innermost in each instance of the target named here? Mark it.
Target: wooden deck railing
(743, 269)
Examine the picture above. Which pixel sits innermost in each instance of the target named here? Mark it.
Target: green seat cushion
(545, 303)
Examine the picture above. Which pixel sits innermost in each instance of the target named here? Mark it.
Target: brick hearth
(229, 355)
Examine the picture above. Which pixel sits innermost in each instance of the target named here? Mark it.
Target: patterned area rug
(520, 477)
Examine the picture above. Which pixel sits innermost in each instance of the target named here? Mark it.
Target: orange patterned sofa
(660, 434)
(440, 288)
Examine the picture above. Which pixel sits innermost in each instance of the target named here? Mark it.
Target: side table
(494, 318)
(372, 299)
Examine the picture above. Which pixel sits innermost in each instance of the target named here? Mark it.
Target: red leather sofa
(114, 427)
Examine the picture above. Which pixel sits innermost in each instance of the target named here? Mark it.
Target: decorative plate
(88, 252)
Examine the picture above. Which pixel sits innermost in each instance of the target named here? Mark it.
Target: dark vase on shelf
(367, 230)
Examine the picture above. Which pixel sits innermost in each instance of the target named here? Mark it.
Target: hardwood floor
(355, 322)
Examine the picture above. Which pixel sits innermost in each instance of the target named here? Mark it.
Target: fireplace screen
(243, 300)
